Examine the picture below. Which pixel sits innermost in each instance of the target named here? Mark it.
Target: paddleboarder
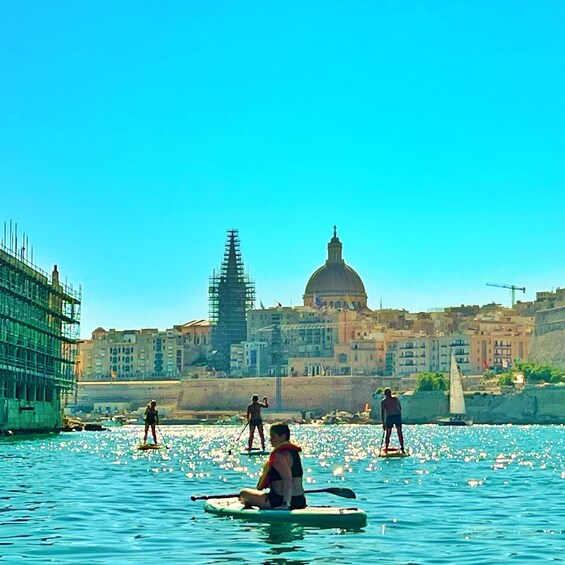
(391, 415)
(255, 420)
(151, 421)
(282, 475)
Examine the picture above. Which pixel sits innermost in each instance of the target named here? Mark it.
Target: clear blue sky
(134, 134)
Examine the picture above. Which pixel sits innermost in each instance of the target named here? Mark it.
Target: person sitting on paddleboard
(391, 415)
(282, 475)
(151, 420)
(255, 420)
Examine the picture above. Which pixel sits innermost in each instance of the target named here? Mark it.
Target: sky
(133, 135)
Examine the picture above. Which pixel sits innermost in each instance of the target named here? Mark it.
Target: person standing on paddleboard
(391, 415)
(151, 420)
(282, 475)
(255, 420)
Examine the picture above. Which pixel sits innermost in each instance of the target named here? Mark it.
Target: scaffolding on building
(39, 328)
(231, 294)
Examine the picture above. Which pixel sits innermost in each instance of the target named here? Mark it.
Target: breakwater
(534, 404)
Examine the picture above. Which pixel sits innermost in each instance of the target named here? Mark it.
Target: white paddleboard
(254, 452)
(321, 516)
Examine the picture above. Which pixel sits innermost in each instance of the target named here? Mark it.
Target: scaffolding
(231, 294)
(39, 329)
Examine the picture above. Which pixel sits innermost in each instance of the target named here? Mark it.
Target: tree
(537, 373)
(505, 380)
(429, 381)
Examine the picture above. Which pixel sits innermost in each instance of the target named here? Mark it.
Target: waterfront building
(39, 327)
(197, 333)
(412, 355)
(231, 295)
(287, 332)
(252, 359)
(550, 299)
(146, 354)
(335, 284)
(499, 339)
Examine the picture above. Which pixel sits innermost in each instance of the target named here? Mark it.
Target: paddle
(338, 491)
(239, 436)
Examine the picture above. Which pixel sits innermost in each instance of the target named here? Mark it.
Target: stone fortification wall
(534, 405)
(298, 393)
(322, 394)
(137, 393)
(550, 320)
(548, 342)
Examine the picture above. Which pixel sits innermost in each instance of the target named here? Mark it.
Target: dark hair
(388, 392)
(281, 428)
(255, 397)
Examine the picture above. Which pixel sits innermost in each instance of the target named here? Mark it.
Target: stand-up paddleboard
(255, 452)
(148, 446)
(393, 452)
(320, 516)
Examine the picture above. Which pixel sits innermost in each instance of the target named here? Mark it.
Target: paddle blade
(344, 492)
(338, 491)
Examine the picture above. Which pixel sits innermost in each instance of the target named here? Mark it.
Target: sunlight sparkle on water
(414, 503)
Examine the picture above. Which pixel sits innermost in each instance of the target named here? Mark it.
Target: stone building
(411, 355)
(144, 354)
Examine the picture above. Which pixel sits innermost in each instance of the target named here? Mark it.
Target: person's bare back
(391, 405)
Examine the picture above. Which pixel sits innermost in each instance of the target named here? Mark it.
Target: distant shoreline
(180, 400)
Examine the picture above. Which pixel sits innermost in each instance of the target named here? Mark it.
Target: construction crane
(512, 287)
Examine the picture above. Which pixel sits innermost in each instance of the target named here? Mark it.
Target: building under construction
(39, 327)
(231, 294)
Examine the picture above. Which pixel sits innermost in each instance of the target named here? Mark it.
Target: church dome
(335, 284)
(335, 278)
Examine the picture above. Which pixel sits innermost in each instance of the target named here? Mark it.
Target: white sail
(456, 398)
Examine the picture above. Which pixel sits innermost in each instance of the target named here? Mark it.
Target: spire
(334, 249)
(233, 266)
(231, 294)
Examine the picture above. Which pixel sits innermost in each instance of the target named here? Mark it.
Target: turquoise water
(484, 494)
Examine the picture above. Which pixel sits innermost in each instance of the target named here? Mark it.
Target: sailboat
(457, 412)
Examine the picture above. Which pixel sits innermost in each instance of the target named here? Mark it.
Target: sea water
(482, 494)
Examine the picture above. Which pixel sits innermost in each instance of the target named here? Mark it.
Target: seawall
(534, 405)
(323, 394)
(30, 416)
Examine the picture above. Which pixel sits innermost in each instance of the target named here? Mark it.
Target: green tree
(505, 380)
(537, 373)
(430, 381)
